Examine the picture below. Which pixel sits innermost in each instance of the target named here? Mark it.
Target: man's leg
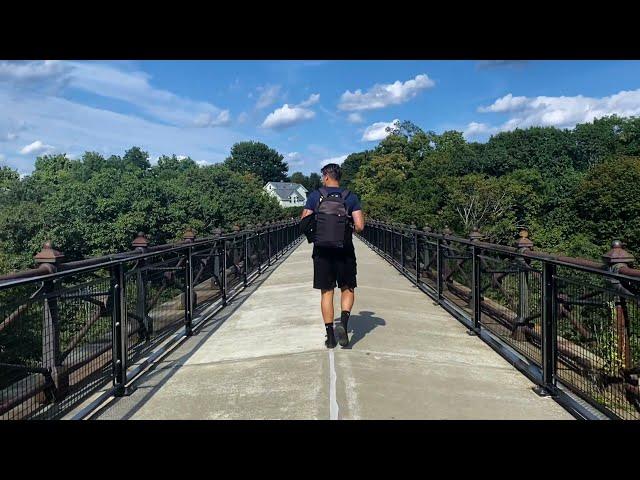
(346, 303)
(326, 305)
(347, 298)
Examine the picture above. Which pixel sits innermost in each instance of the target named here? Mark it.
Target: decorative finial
(48, 254)
(524, 242)
(189, 235)
(140, 241)
(617, 255)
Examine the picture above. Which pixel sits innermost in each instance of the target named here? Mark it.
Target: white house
(288, 194)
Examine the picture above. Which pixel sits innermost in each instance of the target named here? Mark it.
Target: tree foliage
(575, 190)
(96, 205)
(259, 159)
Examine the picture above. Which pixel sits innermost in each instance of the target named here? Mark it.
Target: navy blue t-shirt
(352, 202)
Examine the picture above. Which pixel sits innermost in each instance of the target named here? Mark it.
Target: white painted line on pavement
(333, 402)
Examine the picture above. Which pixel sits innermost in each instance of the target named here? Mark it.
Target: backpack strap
(323, 194)
(344, 194)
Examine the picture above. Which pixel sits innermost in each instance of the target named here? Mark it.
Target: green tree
(351, 166)
(299, 177)
(314, 182)
(606, 205)
(136, 158)
(257, 158)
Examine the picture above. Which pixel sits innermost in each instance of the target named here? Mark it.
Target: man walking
(338, 213)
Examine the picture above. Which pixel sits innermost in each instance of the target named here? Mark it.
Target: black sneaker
(330, 342)
(343, 337)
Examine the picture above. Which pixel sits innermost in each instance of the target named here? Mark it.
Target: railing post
(439, 268)
(246, 260)
(475, 285)
(140, 244)
(524, 245)
(427, 259)
(269, 234)
(417, 253)
(224, 272)
(119, 331)
(276, 246)
(402, 233)
(387, 240)
(549, 326)
(188, 311)
(616, 258)
(476, 298)
(51, 354)
(259, 233)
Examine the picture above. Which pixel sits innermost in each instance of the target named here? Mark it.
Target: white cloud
(475, 129)
(287, 116)
(339, 159)
(383, 95)
(269, 94)
(243, 117)
(312, 100)
(508, 103)
(182, 157)
(133, 87)
(377, 131)
(355, 118)
(23, 73)
(208, 120)
(562, 112)
(36, 148)
(73, 127)
(9, 136)
(294, 159)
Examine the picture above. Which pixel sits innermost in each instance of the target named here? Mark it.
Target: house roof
(285, 189)
(292, 185)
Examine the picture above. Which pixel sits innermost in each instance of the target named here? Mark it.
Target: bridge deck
(264, 358)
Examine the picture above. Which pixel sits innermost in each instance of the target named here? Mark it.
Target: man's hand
(305, 213)
(358, 221)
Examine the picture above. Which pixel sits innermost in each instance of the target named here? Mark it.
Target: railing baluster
(439, 268)
(549, 327)
(475, 285)
(417, 254)
(119, 330)
(224, 272)
(246, 259)
(188, 293)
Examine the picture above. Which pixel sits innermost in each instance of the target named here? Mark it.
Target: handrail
(574, 322)
(137, 298)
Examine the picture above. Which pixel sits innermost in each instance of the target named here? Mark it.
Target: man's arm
(358, 221)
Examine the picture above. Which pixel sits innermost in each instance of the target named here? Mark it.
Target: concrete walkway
(265, 359)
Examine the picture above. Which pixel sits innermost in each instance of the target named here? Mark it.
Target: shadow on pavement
(361, 325)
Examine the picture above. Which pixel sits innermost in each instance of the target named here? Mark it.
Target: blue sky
(311, 111)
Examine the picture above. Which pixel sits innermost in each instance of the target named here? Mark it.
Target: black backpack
(332, 219)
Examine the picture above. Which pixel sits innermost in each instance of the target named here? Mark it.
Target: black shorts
(333, 266)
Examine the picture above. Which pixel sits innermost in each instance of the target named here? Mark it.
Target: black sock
(344, 318)
(329, 328)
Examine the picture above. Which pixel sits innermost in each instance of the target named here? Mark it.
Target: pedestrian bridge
(229, 327)
(265, 359)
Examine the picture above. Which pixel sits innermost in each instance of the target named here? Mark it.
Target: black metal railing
(575, 321)
(68, 329)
